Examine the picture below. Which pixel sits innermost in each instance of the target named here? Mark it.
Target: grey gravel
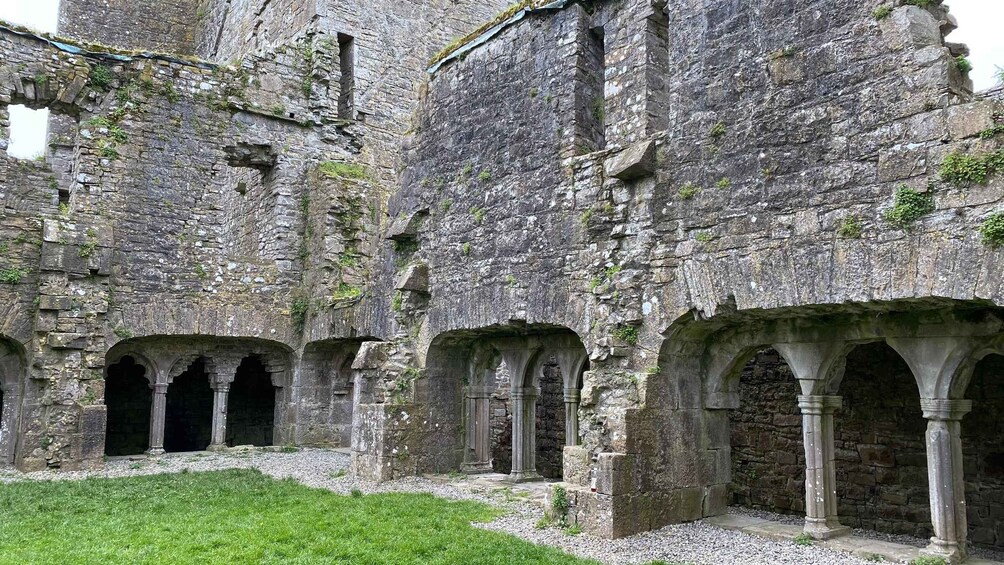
(696, 542)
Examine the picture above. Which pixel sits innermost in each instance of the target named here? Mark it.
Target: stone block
(637, 161)
(414, 278)
(968, 120)
(615, 474)
(716, 500)
(47, 302)
(576, 465)
(58, 340)
(406, 225)
(911, 27)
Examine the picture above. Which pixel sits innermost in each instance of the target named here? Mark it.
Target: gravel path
(688, 543)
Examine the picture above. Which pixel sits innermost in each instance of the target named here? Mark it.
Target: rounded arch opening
(768, 460)
(251, 405)
(880, 445)
(189, 415)
(476, 377)
(128, 398)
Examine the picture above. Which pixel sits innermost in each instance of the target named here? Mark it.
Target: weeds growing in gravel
(803, 539)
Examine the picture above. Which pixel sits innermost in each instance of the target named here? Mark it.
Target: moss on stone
(340, 170)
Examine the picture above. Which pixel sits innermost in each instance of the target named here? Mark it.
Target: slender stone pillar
(478, 455)
(572, 399)
(8, 426)
(524, 435)
(221, 392)
(158, 413)
(821, 520)
(944, 476)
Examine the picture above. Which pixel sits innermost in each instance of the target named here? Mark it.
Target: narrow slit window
(347, 84)
(590, 97)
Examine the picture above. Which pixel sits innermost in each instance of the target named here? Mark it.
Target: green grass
(242, 516)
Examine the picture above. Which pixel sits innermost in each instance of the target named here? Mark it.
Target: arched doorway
(189, 421)
(251, 405)
(550, 426)
(879, 440)
(768, 461)
(128, 398)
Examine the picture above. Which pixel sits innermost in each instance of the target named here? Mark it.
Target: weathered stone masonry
(635, 196)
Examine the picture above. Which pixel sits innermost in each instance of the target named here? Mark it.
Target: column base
(949, 551)
(477, 468)
(825, 529)
(217, 447)
(523, 477)
(155, 451)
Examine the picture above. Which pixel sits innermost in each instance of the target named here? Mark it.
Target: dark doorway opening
(251, 405)
(983, 454)
(550, 422)
(128, 398)
(189, 422)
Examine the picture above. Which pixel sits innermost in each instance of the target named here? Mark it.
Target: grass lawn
(242, 516)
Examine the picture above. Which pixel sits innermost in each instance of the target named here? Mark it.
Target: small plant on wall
(992, 230)
(909, 207)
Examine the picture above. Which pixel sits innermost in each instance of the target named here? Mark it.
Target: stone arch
(881, 474)
(455, 378)
(325, 393)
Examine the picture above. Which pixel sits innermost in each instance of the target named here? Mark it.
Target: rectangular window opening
(28, 131)
(347, 83)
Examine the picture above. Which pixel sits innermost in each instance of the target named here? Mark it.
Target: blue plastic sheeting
(75, 50)
(494, 30)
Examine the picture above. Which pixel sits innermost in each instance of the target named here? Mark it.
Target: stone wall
(164, 26)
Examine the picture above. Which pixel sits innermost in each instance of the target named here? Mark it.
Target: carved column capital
(942, 409)
(819, 404)
(572, 395)
(524, 392)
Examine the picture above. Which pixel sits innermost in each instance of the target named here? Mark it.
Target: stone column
(821, 520)
(221, 392)
(478, 455)
(524, 435)
(572, 398)
(8, 426)
(158, 413)
(944, 477)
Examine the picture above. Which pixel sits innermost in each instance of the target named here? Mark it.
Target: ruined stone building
(679, 254)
